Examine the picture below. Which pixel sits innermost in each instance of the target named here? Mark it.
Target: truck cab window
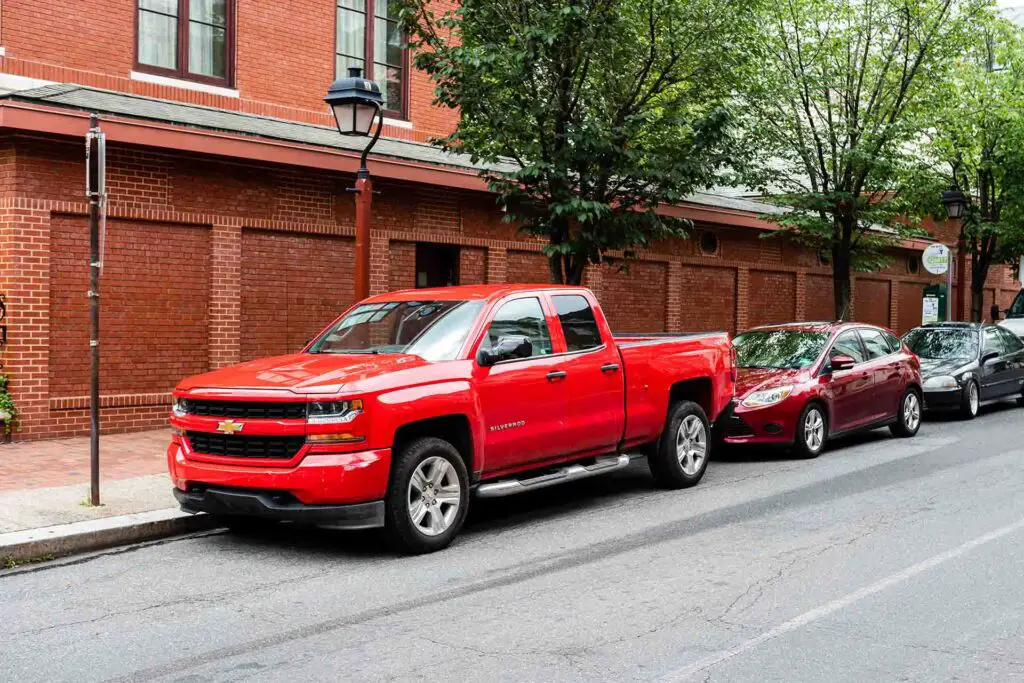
(521, 317)
(578, 323)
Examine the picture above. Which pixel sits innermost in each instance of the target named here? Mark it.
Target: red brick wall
(910, 296)
(820, 300)
(402, 266)
(530, 267)
(773, 297)
(708, 299)
(634, 299)
(153, 321)
(472, 266)
(292, 287)
(871, 301)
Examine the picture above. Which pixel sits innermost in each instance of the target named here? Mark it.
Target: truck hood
(750, 380)
(300, 373)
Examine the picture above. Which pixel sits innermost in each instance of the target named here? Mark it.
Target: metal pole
(961, 275)
(364, 206)
(94, 189)
(949, 289)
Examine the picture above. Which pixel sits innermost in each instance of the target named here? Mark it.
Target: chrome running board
(510, 487)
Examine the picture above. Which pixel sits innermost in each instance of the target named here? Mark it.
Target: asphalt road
(883, 560)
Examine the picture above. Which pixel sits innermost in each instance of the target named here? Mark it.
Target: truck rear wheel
(681, 455)
(428, 496)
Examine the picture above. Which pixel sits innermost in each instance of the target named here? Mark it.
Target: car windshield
(433, 330)
(1016, 309)
(940, 344)
(786, 349)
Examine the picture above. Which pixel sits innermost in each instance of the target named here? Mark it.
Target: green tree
(589, 113)
(977, 144)
(834, 119)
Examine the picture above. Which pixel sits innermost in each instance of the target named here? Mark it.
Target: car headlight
(941, 382)
(767, 397)
(333, 412)
(180, 406)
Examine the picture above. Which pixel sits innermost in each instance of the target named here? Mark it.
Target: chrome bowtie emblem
(229, 427)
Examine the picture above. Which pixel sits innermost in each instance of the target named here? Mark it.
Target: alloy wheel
(972, 398)
(814, 430)
(691, 444)
(434, 496)
(911, 411)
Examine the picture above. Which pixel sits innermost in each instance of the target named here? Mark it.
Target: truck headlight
(767, 397)
(333, 412)
(179, 406)
(941, 382)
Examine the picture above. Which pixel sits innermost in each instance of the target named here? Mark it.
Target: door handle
(556, 374)
(610, 367)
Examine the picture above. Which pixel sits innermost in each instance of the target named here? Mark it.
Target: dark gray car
(966, 364)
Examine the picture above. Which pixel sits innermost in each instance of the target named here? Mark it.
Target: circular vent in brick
(709, 244)
(913, 264)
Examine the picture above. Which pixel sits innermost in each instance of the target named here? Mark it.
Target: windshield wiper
(352, 352)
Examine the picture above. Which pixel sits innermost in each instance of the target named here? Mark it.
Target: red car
(804, 383)
(412, 401)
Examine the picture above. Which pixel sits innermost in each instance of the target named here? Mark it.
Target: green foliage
(976, 142)
(589, 113)
(7, 406)
(834, 118)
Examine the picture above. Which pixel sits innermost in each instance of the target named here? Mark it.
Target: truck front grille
(239, 446)
(246, 409)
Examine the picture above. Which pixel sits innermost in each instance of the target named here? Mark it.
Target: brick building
(230, 232)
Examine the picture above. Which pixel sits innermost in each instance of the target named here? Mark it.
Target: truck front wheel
(428, 496)
(681, 455)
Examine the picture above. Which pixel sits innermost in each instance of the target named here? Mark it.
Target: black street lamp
(956, 203)
(355, 102)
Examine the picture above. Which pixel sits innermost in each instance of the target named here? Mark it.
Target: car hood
(300, 373)
(754, 379)
(934, 367)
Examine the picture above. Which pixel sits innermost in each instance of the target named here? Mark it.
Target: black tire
(244, 525)
(907, 422)
(403, 532)
(969, 407)
(670, 468)
(811, 433)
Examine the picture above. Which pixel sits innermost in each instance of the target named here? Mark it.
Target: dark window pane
(848, 344)
(389, 80)
(521, 317)
(158, 40)
(1011, 342)
(351, 40)
(388, 9)
(894, 343)
(162, 6)
(343, 62)
(353, 4)
(578, 323)
(993, 342)
(207, 50)
(875, 343)
(209, 12)
(388, 42)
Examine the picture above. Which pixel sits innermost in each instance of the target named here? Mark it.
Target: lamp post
(355, 102)
(956, 203)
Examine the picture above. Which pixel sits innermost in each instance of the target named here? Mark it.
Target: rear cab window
(579, 326)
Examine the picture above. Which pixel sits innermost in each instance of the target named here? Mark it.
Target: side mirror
(989, 356)
(841, 362)
(508, 347)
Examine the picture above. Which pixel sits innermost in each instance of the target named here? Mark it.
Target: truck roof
(467, 292)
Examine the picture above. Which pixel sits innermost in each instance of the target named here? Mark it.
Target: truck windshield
(941, 344)
(1016, 309)
(790, 350)
(433, 330)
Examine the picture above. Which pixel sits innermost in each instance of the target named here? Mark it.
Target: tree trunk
(842, 292)
(978, 278)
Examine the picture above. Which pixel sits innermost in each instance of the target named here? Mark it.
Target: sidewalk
(45, 483)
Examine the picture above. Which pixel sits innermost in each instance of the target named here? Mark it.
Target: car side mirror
(841, 362)
(507, 348)
(989, 356)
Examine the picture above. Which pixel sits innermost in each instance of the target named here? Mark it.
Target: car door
(524, 401)
(594, 378)
(886, 381)
(1013, 349)
(997, 376)
(849, 390)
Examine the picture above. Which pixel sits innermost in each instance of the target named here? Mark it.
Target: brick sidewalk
(63, 462)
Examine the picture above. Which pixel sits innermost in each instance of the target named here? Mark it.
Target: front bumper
(943, 399)
(281, 506)
(770, 425)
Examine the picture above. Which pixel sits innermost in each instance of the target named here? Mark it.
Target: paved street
(882, 560)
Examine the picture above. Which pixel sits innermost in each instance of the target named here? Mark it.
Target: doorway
(437, 265)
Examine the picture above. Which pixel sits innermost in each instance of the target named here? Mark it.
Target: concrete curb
(97, 534)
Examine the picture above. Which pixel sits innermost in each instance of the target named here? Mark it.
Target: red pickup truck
(412, 401)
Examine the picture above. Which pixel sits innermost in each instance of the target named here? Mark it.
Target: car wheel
(908, 420)
(428, 496)
(682, 453)
(811, 432)
(970, 401)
